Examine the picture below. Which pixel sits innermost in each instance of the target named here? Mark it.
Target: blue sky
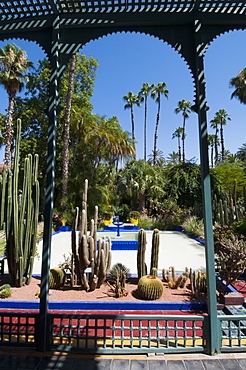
(126, 60)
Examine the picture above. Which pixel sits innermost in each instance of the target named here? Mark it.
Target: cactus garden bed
(104, 293)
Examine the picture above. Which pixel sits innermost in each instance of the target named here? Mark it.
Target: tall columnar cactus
(87, 252)
(19, 215)
(141, 266)
(155, 251)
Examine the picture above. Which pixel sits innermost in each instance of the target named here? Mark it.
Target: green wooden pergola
(62, 27)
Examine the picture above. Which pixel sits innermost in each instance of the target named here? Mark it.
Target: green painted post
(43, 332)
(212, 341)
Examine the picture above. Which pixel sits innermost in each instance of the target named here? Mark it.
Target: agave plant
(115, 271)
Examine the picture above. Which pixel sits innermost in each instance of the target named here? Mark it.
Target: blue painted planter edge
(108, 306)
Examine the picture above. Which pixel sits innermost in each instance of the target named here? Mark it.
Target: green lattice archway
(61, 28)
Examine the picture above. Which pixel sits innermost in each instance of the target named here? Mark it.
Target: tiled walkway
(30, 359)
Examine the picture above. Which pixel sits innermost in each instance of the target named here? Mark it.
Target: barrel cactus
(150, 287)
(57, 278)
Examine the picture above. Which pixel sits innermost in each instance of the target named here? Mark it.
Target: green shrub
(145, 223)
(5, 291)
(240, 227)
(194, 226)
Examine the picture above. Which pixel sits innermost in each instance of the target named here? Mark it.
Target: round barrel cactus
(150, 287)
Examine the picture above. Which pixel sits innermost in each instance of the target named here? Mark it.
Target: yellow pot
(107, 222)
(134, 221)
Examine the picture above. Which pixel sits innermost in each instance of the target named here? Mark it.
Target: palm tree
(239, 83)
(214, 124)
(173, 158)
(157, 91)
(130, 100)
(184, 106)
(14, 65)
(66, 130)
(145, 90)
(178, 133)
(241, 153)
(222, 116)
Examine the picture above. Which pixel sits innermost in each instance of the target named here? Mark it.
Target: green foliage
(226, 174)
(150, 287)
(184, 184)
(5, 291)
(240, 227)
(124, 212)
(117, 279)
(145, 223)
(194, 226)
(135, 215)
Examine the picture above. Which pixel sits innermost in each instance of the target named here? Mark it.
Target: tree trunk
(156, 132)
(66, 134)
(133, 131)
(222, 143)
(8, 137)
(145, 129)
(183, 139)
(179, 149)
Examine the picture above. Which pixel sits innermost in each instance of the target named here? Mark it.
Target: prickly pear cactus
(150, 287)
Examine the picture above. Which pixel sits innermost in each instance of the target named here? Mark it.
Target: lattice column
(50, 181)
(212, 345)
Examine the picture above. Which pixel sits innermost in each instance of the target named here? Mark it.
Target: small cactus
(150, 287)
(57, 278)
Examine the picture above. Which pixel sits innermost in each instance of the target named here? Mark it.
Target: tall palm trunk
(133, 130)
(156, 132)
(145, 128)
(183, 139)
(222, 142)
(66, 133)
(216, 158)
(8, 137)
(212, 155)
(179, 149)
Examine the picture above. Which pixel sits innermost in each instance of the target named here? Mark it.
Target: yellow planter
(134, 221)
(63, 222)
(107, 222)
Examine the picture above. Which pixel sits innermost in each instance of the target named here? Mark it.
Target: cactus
(57, 278)
(87, 252)
(150, 287)
(19, 215)
(172, 280)
(198, 282)
(141, 266)
(155, 251)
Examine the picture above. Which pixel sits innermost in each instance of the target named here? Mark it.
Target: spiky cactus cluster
(19, 215)
(198, 282)
(141, 265)
(173, 281)
(87, 252)
(150, 287)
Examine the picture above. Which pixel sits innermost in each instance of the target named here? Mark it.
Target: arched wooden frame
(62, 27)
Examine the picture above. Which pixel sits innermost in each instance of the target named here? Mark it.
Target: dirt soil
(104, 293)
